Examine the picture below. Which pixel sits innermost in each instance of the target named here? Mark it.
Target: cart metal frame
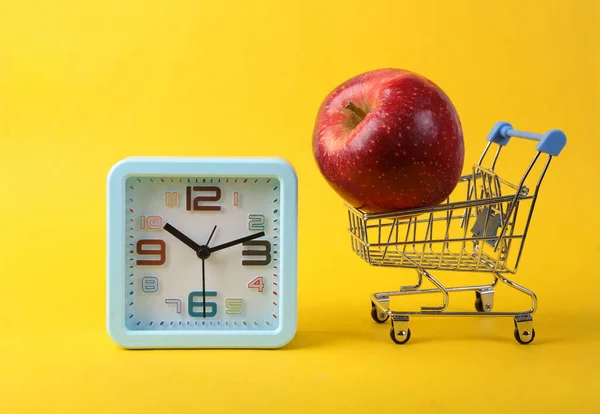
(482, 232)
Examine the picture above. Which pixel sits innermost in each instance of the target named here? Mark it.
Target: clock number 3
(265, 253)
(193, 203)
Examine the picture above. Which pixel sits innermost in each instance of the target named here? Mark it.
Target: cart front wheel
(378, 315)
(524, 339)
(399, 337)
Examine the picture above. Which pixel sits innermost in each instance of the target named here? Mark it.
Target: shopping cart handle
(552, 142)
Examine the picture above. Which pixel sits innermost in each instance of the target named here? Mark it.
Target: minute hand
(238, 241)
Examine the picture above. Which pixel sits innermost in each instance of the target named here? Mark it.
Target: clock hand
(211, 234)
(237, 241)
(203, 291)
(182, 237)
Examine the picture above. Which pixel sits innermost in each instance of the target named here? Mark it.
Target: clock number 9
(161, 252)
(264, 252)
(193, 203)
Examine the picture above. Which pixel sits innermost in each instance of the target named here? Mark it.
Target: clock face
(164, 284)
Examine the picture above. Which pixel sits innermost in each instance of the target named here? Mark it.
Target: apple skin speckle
(407, 152)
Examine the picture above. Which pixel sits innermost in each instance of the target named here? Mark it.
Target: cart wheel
(478, 303)
(379, 317)
(484, 300)
(524, 340)
(403, 340)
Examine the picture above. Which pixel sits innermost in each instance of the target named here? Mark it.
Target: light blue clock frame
(116, 252)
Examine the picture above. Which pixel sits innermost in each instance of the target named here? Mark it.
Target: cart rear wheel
(377, 315)
(524, 340)
(399, 339)
(478, 303)
(484, 300)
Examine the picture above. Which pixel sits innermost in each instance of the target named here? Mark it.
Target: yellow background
(84, 84)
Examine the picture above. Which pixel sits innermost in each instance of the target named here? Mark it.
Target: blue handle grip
(552, 142)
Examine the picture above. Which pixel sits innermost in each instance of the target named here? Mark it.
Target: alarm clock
(202, 252)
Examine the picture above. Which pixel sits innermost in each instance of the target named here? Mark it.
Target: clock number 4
(265, 253)
(161, 252)
(257, 283)
(193, 203)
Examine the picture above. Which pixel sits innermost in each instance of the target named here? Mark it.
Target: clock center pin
(203, 252)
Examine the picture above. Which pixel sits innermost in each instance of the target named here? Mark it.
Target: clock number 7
(193, 203)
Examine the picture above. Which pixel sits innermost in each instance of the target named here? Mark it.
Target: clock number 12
(193, 203)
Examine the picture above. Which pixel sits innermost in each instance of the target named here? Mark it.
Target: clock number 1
(193, 203)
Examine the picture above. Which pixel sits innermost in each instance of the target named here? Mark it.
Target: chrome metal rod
(520, 289)
(441, 288)
(413, 287)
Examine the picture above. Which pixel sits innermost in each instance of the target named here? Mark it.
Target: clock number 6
(264, 252)
(195, 301)
(193, 203)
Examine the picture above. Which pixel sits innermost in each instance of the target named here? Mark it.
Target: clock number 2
(193, 203)
(161, 252)
(265, 252)
(256, 222)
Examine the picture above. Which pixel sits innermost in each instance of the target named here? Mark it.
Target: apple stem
(356, 110)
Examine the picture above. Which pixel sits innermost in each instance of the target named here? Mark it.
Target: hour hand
(182, 237)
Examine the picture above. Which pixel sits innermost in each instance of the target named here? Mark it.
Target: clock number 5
(193, 203)
(161, 252)
(265, 253)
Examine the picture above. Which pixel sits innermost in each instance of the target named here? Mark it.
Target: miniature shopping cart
(483, 231)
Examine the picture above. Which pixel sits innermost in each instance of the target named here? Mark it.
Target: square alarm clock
(202, 252)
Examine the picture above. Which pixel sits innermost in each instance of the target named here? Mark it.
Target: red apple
(389, 140)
